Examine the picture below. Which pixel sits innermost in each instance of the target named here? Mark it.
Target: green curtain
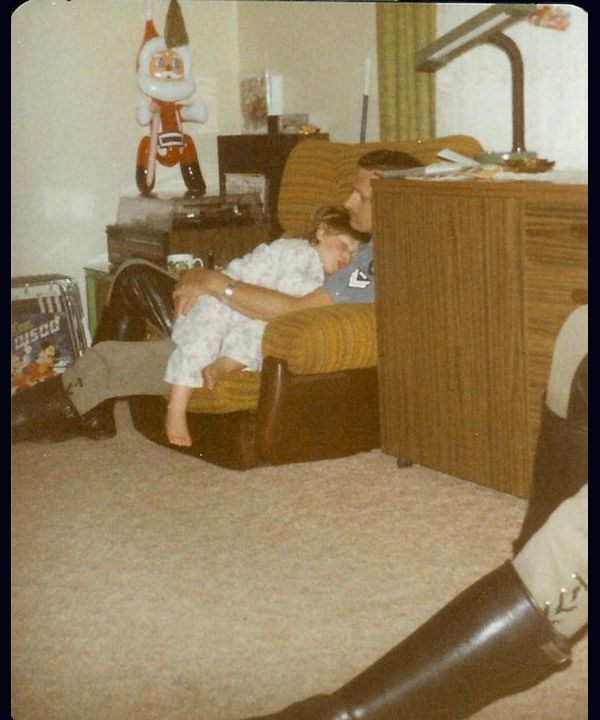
(406, 97)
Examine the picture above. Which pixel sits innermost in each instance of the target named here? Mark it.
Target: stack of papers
(451, 163)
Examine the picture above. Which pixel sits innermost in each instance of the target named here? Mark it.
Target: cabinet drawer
(224, 243)
(131, 242)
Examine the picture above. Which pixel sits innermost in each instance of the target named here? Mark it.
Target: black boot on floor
(44, 413)
(99, 422)
(492, 640)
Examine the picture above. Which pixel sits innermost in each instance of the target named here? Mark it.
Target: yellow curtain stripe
(406, 97)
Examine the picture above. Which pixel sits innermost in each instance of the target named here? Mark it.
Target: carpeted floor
(147, 584)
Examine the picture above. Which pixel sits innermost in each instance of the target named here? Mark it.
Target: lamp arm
(518, 94)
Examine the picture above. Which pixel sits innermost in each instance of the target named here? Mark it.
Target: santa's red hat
(150, 31)
(175, 35)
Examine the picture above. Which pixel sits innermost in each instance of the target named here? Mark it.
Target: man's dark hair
(387, 160)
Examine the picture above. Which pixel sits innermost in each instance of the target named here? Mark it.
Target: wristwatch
(228, 292)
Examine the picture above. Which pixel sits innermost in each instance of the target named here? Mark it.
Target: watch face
(228, 292)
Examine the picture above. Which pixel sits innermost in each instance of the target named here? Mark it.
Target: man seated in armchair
(80, 401)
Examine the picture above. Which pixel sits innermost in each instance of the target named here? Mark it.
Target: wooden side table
(219, 244)
(215, 245)
(264, 154)
(474, 281)
(214, 228)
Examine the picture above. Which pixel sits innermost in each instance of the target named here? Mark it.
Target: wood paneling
(473, 283)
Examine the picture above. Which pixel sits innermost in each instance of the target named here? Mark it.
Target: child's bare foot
(176, 422)
(216, 370)
(177, 429)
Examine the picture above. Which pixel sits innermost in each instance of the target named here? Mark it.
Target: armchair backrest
(322, 173)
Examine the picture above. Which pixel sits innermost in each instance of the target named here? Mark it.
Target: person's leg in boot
(503, 634)
(44, 412)
(512, 628)
(140, 298)
(561, 458)
(67, 406)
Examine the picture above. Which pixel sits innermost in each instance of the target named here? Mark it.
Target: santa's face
(166, 65)
(164, 73)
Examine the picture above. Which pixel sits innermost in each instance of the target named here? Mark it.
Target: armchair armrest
(326, 339)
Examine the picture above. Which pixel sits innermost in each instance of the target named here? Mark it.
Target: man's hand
(194, 283)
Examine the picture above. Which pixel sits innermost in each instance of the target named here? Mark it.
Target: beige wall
(474, 90)
(74, 133)
(320, 48)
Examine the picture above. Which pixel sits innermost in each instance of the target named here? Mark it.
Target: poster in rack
(47, 329)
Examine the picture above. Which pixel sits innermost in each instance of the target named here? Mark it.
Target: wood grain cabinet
(474, 280)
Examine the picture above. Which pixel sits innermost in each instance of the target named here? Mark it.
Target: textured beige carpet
(150, 585)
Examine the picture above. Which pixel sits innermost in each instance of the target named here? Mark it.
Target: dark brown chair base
(225, 439)
(303, 418)
(300, 418)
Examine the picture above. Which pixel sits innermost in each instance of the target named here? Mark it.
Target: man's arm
(251, 300)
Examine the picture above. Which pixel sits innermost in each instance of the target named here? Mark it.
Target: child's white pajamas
(212, 329)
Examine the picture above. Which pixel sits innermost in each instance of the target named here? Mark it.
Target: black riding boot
(561, 460)
(492, 640)
(116, 325)
(44, 413)
(141, 296)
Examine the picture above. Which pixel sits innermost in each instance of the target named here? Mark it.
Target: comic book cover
(42, 335)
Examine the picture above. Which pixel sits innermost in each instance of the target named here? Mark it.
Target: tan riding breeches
(116, 369)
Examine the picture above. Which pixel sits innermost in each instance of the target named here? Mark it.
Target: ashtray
(528, 165)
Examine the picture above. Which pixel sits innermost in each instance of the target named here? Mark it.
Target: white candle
(276, 94)
(274, 88)
(367, 75)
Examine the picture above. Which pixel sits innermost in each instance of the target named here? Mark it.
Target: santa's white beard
(165, 90)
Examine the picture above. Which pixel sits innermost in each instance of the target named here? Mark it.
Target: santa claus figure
(163, 75)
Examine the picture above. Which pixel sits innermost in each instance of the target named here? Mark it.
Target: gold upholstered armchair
(316, 395)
